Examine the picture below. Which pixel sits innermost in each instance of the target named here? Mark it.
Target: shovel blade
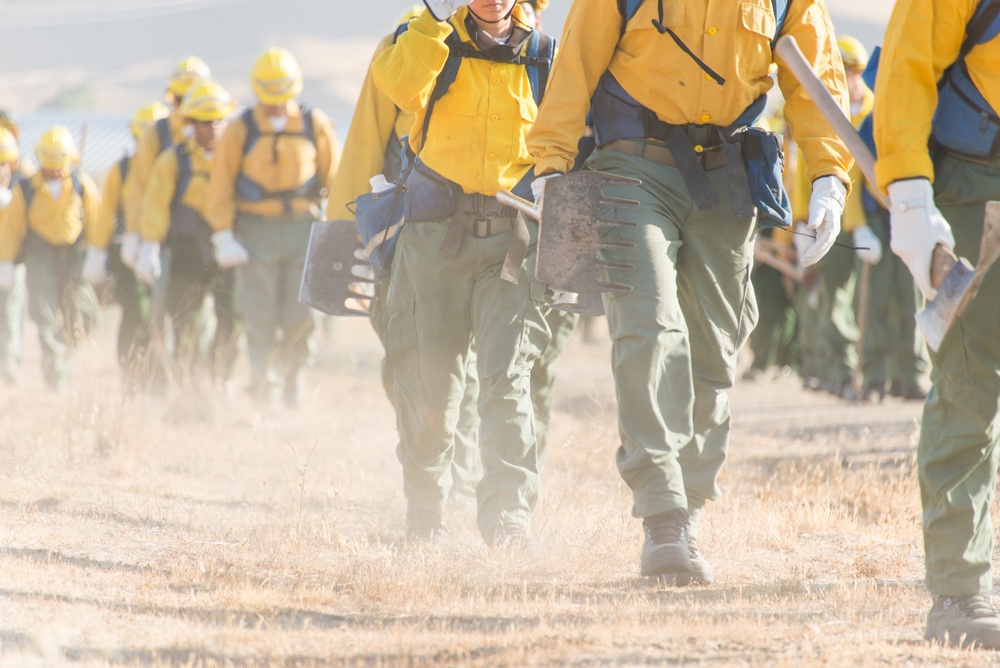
(571, 232)
(337, 279)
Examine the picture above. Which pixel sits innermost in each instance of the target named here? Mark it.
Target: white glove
(148, 267)
(917, 227)
(6, 276)
(868, 246)
(95, 265)
(130, 249)
(802, 239)
(443, 10)
(826, 206)
(228, 252)
(538, 188)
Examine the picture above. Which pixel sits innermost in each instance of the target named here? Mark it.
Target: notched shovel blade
(337, 280)
(570, 238)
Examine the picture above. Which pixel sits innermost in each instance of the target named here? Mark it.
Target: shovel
(337, 279)
(570, 236)
(954, 279)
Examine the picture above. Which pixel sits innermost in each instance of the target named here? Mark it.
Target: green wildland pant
(675, 335)
(957, 454)
(437, 307)
(193, 277)
(838, 329)
(467, 467)
(893, 348)
(278, 326)
(60, 303)
(543, 374)
(12, 325)
(133, 330)
(773, 341)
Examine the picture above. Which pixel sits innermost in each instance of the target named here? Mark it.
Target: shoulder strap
(77, 183)
(163, 133)
(541, 52)
(28, 191)
(123, 165)
(184, 171)
(443, 82)
(253, 130)
(780, 8)
(307, 123)
(980, 28)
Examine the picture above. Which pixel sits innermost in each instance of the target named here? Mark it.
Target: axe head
(337, 279)
(571, 233)
(961, 283)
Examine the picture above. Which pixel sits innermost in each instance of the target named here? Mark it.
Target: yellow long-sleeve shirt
(477, 131)
(154, 223)
(112, 206)
(146, 152)
(275, 162)
(376, 119)
(922, 39)
(733, 38)
(57, 222)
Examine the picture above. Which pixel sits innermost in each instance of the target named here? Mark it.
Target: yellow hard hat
(185, 73)
(853, 53)
(276, 77)
(146, 116)
(8, 146)
(207, 101)
(410, 14)
(55, 148)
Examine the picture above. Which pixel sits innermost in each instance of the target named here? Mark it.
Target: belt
(712, 157)
(482, 225)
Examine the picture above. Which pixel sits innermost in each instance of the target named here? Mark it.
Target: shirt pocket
(452, 129)
(756, 30)
(527, 113)
(641, 47)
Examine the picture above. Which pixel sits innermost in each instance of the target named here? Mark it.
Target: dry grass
(133, 533)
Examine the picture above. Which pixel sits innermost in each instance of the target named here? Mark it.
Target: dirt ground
(193, 530)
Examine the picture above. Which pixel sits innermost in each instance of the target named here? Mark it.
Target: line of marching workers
(210, 203)
(666, 97)
(847, 323)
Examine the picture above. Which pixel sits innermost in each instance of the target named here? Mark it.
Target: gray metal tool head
(572, 233)
(961, 283)
(337, 279)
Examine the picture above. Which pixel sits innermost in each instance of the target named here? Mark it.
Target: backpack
(250, 191)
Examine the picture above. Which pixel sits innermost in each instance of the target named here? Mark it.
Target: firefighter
(270, 175)
(673, 84)
(172, 218)
(11, 301)
(104, 255)
(447, 286)
(938, 68)
(48, 219)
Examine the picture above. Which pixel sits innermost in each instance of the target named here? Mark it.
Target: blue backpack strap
(164, 134)
(780, 8)
(77, 183)
(541, 52)
(28, 191)
(184, 171)
(253, 130)
(123, 166)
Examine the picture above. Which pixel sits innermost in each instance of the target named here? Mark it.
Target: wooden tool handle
(941, 263)
(788, 50)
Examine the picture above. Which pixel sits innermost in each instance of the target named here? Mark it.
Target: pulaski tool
(337, 278)
(954, 278)
(571, 236)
